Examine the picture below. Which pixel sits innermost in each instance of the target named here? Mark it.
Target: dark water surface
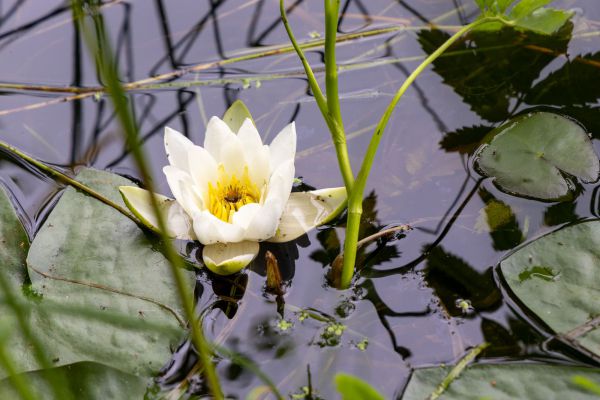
(404, 303)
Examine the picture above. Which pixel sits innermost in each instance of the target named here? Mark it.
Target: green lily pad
(557, 277)
(86, 380)
(535, 154)
(89, 255)
(503, 382)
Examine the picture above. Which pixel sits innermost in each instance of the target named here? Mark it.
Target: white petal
(265, 222)
(182, 187)
(179, 224)
(249, 137)
(283, 147)
(233, 158)
(176, 146)
(227, 259)
(210, 229)
(259, 166)
(203, 169)
(281, 182)
(244, 216)
(306, 210)
(218, 136)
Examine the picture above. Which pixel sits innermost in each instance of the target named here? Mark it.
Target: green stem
(100, 48)
(331, 74)
(356, 195)
(457, 370)
(335, 126)
(66, 179)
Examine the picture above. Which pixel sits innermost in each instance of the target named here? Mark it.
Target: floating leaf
(90, 255)
(14, 243)
(353, 388)
(235, 115)
(556, 277)
(503, 382)
(87, 380)
(530, 155)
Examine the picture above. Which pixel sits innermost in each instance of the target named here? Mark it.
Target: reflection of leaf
(491, 68)
(529, 155)
(452, 278)
(464, 140)
(560, 213)
(569, 85)
(95, 256)
(503, 382)
(501, 222)
(89, 381)
(573, 299)
(502, 341)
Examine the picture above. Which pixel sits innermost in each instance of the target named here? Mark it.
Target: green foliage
(88, 380)
(525, 15)
(531, 154)
(353, 388)
(235, 115)
(88, 254)
(564, 292)
(491, 69)
(503, 382)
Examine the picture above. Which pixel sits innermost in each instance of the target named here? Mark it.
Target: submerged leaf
(530, 155)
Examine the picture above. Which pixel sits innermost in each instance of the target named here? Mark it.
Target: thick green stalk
(356, 195)
(335, 128)
(331, 75)
(107, 68)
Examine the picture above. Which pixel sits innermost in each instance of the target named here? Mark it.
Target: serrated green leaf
(546, 21)
(504, 4)
(526, 7)
(235, 115)
(353, 388)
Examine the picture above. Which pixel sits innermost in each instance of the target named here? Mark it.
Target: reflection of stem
(165, 307)
(66, 179)
(379, 273)
(383, 233)
(355, 197)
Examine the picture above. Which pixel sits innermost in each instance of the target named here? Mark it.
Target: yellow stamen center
(230, 194)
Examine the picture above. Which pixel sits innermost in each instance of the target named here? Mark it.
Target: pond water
(405, 308)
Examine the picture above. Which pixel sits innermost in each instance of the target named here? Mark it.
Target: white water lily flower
(233, 193)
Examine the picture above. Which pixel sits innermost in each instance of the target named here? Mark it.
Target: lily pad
(535, 154)
(503, 382)
(557, 277)
(87, 380)
(89, 255)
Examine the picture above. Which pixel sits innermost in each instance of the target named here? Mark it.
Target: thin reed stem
(99, 46)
